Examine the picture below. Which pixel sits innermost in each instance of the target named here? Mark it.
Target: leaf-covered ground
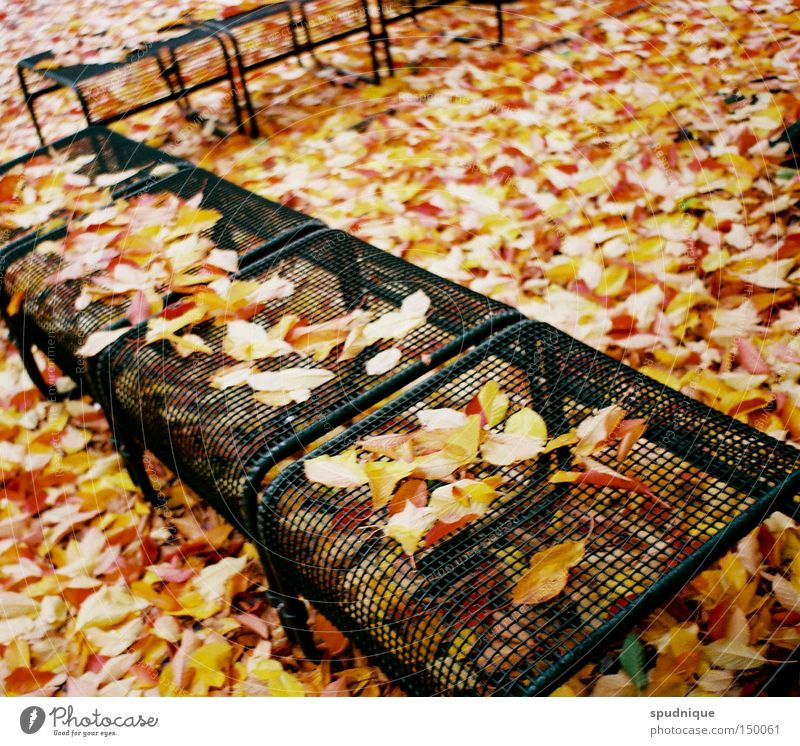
(626, 185)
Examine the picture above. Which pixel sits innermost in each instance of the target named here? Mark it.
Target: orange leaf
(548, 573)
(442, 529)
(414, 491)
(25, 680)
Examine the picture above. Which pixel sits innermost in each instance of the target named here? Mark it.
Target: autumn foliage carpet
(625, 185)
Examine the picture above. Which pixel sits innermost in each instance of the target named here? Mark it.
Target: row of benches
(441, 622)
(222, 51)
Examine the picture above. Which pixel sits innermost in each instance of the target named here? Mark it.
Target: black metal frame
(298, 24)
(227, 29)
(339, 256)
(166, 55)
(252, 225)
(112, 152)
(394, 611)
(412, 10)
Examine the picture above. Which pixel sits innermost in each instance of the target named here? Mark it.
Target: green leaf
(631, 659)
(691, 203)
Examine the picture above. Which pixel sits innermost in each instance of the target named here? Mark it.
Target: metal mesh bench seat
(222, 442)
(64, 176)
(325, 21)
(256, 38)
(212, 52)
(46, 313)
(447, 621)
(394, 11)
(272, 33)
(159, 72)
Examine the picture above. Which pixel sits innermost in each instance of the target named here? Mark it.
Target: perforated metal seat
(110, 154)
(394, 11)
(158, 72)
(271, 33)
(47, 315)
(223, 442)
(446, 623)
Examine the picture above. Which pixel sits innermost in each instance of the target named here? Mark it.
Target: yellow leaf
(290, 379)
(342, 471)
(208, 592)
(735, 656)
(593, 185)
(162, 328)
(409, 526)
(193, 220)
(188, 343)
(733, 576)
(209, 663)
(565, 439)
(527, 422)
(491, 402)
(657, 110)
(462, 443)
(612, 281)
(246, 341)
(383, 476)
(109, 606)
(281, 683)
(548, 573)
(451, 502)
(593, 431)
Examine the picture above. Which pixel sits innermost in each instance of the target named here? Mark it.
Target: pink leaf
(750, 358)
(139, 309)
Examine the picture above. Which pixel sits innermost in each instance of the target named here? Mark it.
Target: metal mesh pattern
(262, 35)
(249, 224)
(192, 62)
(112, 153)
(394, 10)
(448, 624)
(156, 73)
(325, 20)
(222, 442)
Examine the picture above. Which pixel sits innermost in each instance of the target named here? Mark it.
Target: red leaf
(767, 545)
(442, 529)
(718, 619)
(601, 479)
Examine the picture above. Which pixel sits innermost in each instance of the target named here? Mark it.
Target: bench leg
(498, 8)
(29, 99)
(133, 455)
(247, 103)
(25, 350)
(294, 618)
(384, 39)
(291, 610)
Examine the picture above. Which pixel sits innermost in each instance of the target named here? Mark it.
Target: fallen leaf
(96, 342)
(383, 477)
(734, 656)
(548, 573)
(409, 526)
(341, 471)
(383, 362)
(290, 379)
